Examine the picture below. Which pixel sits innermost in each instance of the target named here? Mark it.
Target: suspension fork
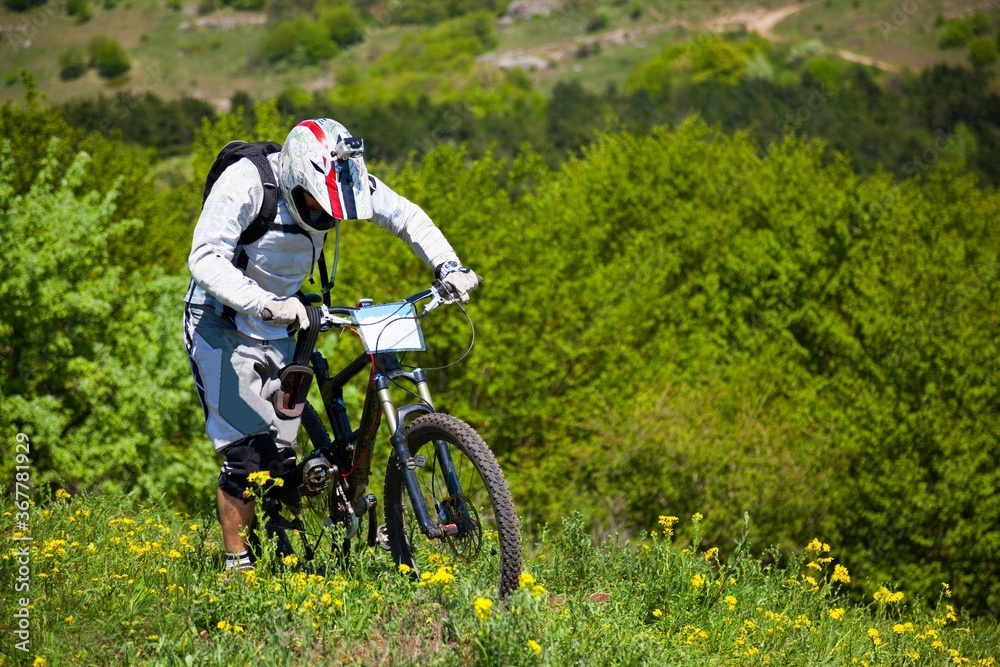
(404, 459)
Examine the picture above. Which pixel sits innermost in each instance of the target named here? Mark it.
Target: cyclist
(241, 310)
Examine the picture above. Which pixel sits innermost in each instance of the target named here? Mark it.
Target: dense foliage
(673, 322)
(429, 90)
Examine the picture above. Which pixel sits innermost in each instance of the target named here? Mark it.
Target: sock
(241, 560)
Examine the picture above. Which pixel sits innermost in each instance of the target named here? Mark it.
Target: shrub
(983, 52)
(22, 5)
(109, 57)
(297, 42)
(80, 9)
(959, 32)
(344, 26)
(72, 63)
(247, 5)
(599, 20)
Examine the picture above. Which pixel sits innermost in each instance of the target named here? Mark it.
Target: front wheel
(462, 484)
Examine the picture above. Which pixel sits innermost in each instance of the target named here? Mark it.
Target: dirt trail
(761, 21)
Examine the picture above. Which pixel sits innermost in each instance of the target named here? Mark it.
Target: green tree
(344, 25)
(22, 5)
(72, 63)
(79, 387)
(80, 9)
(108, 56)
(297, 42)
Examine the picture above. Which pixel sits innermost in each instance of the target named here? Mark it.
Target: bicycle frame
(357, 446)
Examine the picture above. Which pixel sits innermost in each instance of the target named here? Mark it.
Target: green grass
(116, 582)
(171, 55)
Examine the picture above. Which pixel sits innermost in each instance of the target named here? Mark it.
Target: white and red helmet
(322, 158)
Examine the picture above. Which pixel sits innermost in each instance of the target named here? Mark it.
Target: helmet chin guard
(321, 158)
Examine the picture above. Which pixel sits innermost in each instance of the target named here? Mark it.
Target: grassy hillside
(115, 582)
(180, 51)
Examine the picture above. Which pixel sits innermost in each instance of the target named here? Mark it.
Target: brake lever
(330, 320)
(437, 299)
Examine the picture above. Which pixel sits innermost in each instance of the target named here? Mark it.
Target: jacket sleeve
(409, 222)
(235, 200)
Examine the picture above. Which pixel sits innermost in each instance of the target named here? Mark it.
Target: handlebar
(343, 316)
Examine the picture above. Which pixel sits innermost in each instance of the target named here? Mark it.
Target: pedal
(382, 538)
(450, 529)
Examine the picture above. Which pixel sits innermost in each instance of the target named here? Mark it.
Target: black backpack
(256, 152)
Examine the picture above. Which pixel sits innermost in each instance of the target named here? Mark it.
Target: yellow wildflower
(814, 565)
(535, 647)
(224, 625)
(668, 522)
(731, 602)
(902, 628)
(912, 655)
(63, 493)
(885, 596)
(837, 614)
(657, 613)
(404, 568)
(259, 477)
(525, 580)
(876, 639)
(698, 581)
(537, 591)
(947, 589)
(951, 614)
(291, 560)
(712, 553)
(442, 576)
(483, 607)
(162, 570)
(841, 574)
(39, 662)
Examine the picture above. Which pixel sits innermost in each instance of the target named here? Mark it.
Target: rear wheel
(469, 492)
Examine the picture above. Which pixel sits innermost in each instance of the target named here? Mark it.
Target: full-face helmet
(322, 159)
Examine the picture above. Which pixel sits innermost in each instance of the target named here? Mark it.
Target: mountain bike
(445, 497)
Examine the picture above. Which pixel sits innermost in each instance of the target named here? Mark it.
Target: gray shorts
(236, 375)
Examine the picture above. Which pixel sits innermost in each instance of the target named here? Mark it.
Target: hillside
(209, 52)
(753, 277)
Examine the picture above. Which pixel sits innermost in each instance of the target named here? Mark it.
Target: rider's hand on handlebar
(285, 310)
(458, 281)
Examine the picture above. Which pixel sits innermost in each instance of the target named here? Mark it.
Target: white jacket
(225, 273)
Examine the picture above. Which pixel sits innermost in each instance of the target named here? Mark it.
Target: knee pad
(254, 454)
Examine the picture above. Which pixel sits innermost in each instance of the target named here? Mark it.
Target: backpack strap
(269, 209)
